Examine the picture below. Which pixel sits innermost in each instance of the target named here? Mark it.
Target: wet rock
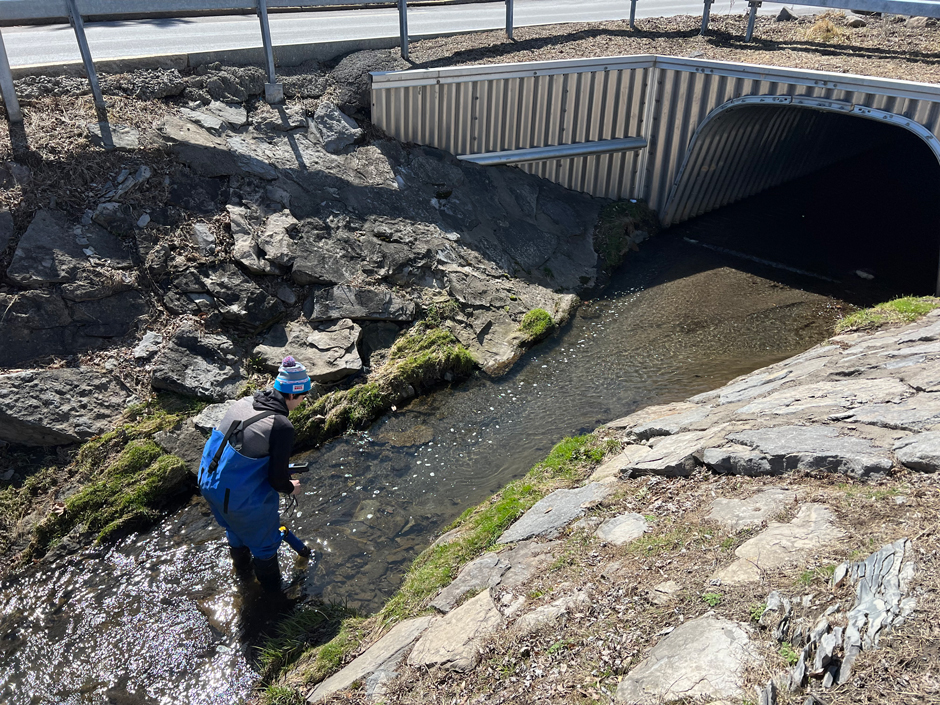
(622, 529)
(782, 545)
(198, 364)
(148, 346)
(702, 658)
(358, 304)
(377, 665)
(351, 75)
(484, 572)
(816, 447)
(334, 129)
(920, 451)
(737, 514)
(329, 351)
(551, 514)
(59, 406)
(123, 138)
(551, 615)
(452, 642)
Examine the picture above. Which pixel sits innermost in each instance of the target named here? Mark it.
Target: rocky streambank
(222, 233)
(772, 541)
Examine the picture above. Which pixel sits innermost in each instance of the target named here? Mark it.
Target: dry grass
(825, 29)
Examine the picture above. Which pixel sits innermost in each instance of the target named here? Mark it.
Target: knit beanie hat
(292, 377)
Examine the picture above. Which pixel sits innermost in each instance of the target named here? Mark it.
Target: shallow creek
(160, 618)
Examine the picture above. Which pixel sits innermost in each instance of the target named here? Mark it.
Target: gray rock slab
(233, 114)
(752, 386)
(123, 138)
(921, 333)
(623, 463)
(552, 614)
(526, 560)
(48, 252)
(922, 377)
(7, 229)
(816, 448)
(737, 514)
(781, 545)
(915, 414)
(622, 529)
(334, 129)
(453, 641)
(737, 459)
(484, 572)
(148, 346)
(383, 656)
(59, 406)
(671, 424)
(328, 351)
(652, 413)
(674, 456)
(198, 364)
(848, 393)
(702, 658)
(663, 593)
(207, 419)
(920, 451)
(358, 304)
(551, 514)
(204, 153)
(211, 123)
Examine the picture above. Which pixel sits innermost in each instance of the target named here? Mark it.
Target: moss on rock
(419, 360)
(536, 325)
(905, 309)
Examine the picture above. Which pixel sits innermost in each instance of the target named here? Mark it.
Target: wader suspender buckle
(237, 426)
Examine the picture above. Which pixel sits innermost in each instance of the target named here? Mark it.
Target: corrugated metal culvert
(707, 133)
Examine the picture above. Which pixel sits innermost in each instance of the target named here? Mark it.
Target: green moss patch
(125, 479)
(617, 226)
(419, 360)
(896, 312)
(537, 324)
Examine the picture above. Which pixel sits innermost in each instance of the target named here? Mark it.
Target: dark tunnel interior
(877, 212)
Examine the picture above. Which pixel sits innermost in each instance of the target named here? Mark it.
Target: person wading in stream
(244, 466)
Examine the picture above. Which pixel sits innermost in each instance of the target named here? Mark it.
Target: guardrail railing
(26, 12)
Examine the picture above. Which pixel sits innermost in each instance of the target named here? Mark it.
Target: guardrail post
(403, 26)
(273, 91)
(705, 15)
(632, 14)
(14, 114)
(509, 18)
(750, 19)
(79, 27)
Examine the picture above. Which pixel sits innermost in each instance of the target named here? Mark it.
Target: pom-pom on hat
(292, 377)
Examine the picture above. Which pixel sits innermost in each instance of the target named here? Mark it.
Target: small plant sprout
(712, 599)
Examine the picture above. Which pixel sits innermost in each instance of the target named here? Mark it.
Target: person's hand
(296, 484)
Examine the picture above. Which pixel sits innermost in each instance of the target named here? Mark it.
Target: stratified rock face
(920, 451)
(358, 304)
(329, 351)
(453, 641)
(59, 407)
(703, 658)
(198, 364)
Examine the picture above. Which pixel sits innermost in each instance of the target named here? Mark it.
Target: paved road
(108, 40)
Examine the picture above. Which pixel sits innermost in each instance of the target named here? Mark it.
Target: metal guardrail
(26, 12)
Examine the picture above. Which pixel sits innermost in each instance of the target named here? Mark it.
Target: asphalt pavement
(52, 44)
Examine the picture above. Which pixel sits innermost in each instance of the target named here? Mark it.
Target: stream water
(160, 618)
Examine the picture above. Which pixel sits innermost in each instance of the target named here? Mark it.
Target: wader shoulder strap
(235, 427)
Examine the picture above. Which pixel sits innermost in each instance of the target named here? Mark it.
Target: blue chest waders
(237, 489)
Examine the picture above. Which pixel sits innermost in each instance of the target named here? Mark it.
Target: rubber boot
(241, 559)
(268, 573)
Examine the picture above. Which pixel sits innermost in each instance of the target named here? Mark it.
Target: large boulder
(198, 364)
(59, 407)
(358, 304)
(333, 128)
(329, 351)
